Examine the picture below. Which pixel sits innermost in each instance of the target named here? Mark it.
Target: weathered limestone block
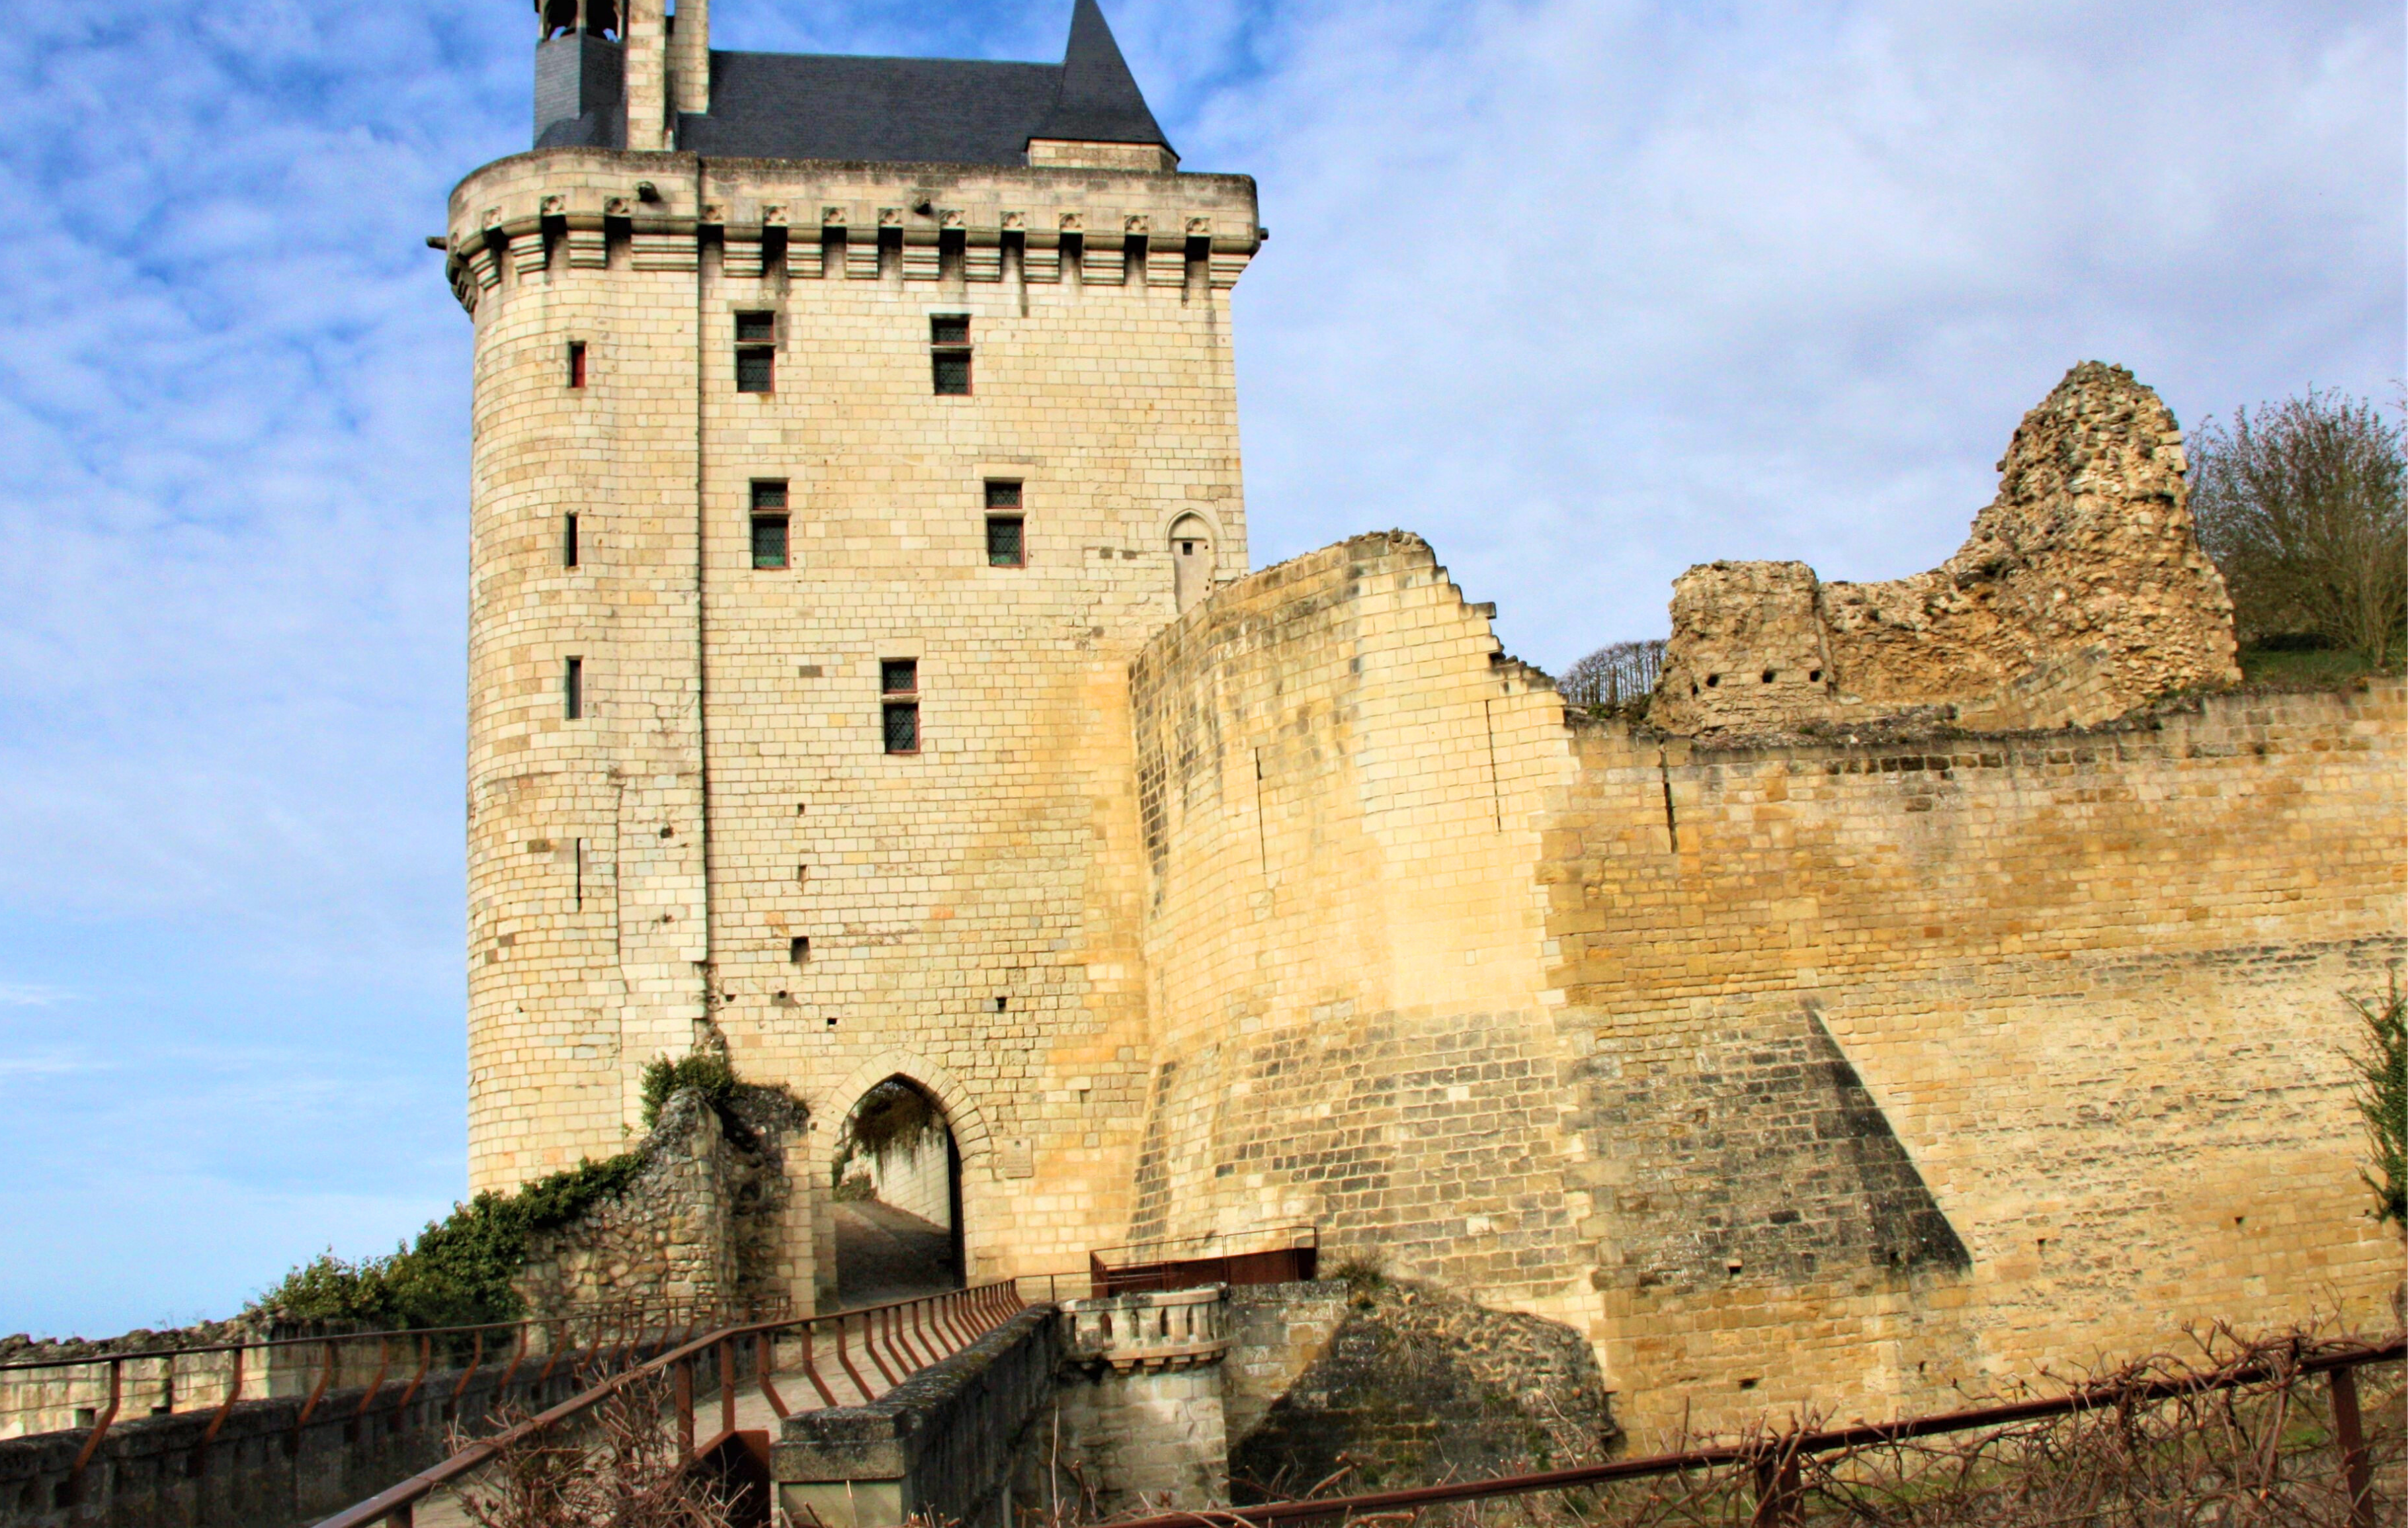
(2081, 594)
(699, 1228)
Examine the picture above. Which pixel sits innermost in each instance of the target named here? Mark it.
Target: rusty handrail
(1774, 1459)
(397, 1503)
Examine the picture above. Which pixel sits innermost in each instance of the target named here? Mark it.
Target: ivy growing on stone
(460, 1269)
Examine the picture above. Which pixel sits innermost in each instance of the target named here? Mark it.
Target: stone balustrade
(1149, 1332)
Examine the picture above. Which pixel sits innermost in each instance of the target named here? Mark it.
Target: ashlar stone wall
(1339, 777)
(722, 842)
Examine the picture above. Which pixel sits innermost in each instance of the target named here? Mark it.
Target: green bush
(458, 1271)
(2382, 1067)
(705, 1072)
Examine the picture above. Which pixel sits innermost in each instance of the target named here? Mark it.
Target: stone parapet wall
(2081, 594)
(944, 1446)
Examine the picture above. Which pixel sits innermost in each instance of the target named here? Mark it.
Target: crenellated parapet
(600, 209)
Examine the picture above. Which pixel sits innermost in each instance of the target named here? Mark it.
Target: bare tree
(627, 1470)
(1615, 677)
(2300, 506)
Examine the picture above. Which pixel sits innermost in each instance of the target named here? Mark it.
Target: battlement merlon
(524, 209)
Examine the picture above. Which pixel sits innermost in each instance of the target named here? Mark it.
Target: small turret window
(577, 363)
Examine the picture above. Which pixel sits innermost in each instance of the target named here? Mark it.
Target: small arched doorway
(1190, 559)
(898, 1186)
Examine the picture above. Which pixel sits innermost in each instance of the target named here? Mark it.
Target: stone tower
(842, 426)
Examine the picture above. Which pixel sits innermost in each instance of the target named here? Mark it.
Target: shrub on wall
(458, 1271)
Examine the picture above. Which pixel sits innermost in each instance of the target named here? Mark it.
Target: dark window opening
(572, 689)
(1005, 547)
(1768, 676)
(769, 524)
(768, 541)
(756, 369)
(756, 328)
(1002, 495)
(902, 728)
(1712, 680)
(568, 540)
(577, 363)
(949, 353)
(798, 949)
(898, 676)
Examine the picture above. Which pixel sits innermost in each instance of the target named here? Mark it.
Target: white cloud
(1584, 290)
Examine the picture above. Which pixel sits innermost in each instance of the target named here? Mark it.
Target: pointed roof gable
(964, 111)
(1099, 101)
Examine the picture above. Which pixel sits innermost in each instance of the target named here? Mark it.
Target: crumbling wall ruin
(708, 1226)
(2081, 594)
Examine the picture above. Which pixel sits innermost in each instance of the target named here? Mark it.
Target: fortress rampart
(1790, 1072)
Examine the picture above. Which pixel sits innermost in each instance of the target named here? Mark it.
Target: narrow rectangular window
(769, 524)
(568, 540)
(898, 681)
(757, 353)
(1007, 542)
(949, 353)
(798, 949)
(577, 363)
(572, 689)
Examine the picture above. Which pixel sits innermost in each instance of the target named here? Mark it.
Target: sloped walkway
(884, 1254)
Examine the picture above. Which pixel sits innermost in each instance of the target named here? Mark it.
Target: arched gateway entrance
(897, 1183)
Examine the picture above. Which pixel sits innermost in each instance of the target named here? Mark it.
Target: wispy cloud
(1584, 290)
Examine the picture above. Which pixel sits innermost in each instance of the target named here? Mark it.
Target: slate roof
(961, 111)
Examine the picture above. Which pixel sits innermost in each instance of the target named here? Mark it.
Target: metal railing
(1255, 1254)
(1773, 1459)
(891, 1341)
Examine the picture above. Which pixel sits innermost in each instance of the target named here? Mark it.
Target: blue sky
(1583, 291)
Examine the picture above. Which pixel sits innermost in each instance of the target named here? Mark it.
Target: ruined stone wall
(1340, 780)
(1913, 1062)
(704, 1227)
(2080, 593)
(643, 874)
